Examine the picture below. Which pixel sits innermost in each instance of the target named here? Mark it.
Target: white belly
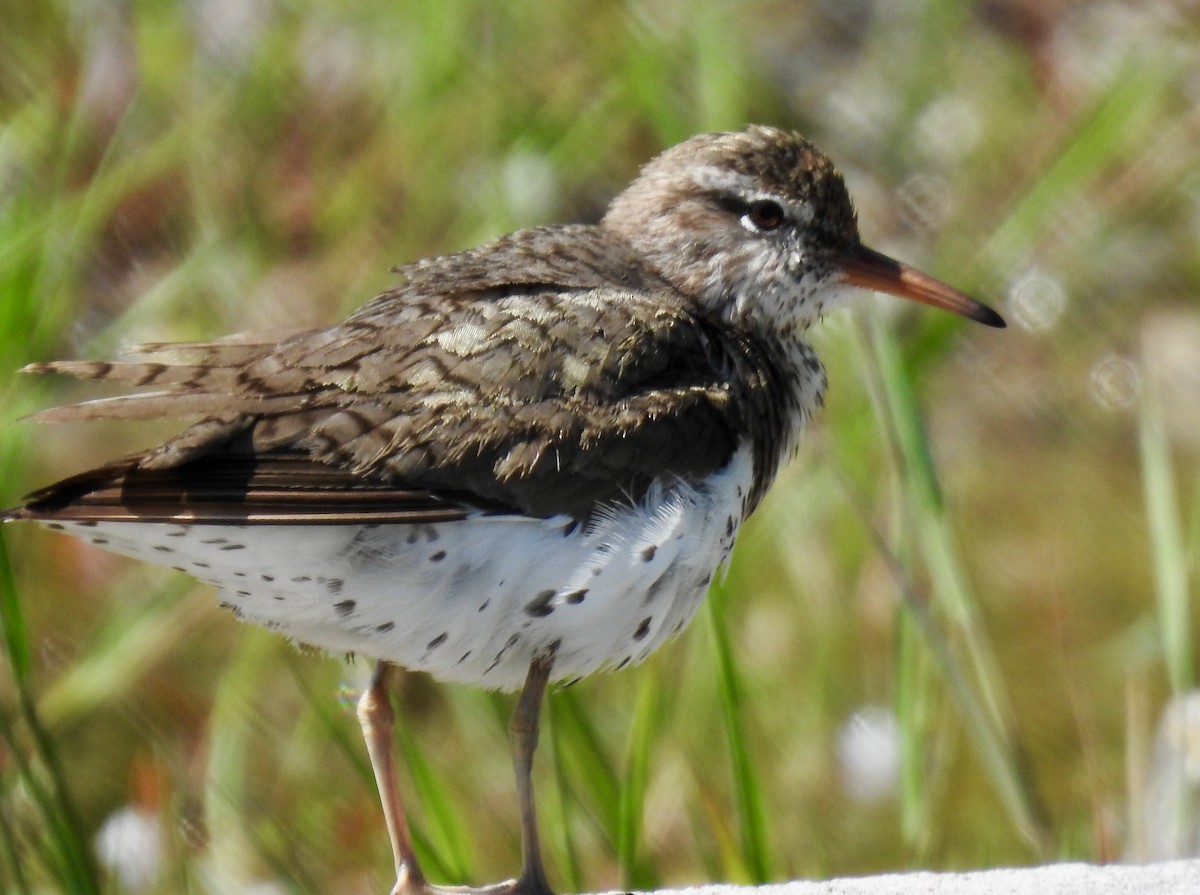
(471, 601)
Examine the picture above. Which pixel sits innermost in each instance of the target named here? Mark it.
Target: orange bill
(869, 269)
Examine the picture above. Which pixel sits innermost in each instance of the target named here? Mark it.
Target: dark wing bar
(272, 489)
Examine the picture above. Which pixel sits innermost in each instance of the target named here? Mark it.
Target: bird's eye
(764, 214)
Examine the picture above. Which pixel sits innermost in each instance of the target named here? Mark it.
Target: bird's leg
(377, 718)
(523, 731)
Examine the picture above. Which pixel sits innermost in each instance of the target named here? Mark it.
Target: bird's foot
(519, 886)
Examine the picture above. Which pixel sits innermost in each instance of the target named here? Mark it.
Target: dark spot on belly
(163, 548)
(483, 605)
(464, 657)
(267, 577)
(100, 541)
(234, 547)
(512, 641)
(438, 556)
(623, 663)
(56, 526)
(385, 627)
(576, 596)
(648, 553)
(300, 579)
(642, 629)
(199, 564)
(669, 576)
(345, 607)
(428, 532)
(539, 606)
(365, 548)
(333, 585)
(437, 641)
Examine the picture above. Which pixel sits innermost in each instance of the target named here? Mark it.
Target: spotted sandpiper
(525, 462)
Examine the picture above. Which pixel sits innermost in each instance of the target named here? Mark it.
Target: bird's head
(757, 227)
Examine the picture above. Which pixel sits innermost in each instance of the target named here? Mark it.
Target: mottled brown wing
(547, 398)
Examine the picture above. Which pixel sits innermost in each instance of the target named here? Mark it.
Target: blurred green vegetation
(989, 540)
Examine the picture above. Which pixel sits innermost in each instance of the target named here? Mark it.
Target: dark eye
(764, 214)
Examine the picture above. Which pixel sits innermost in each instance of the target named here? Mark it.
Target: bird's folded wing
(544, 400)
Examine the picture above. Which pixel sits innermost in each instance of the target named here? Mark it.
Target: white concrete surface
(1169, 878)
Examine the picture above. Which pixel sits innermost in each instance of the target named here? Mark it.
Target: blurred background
(959, 633)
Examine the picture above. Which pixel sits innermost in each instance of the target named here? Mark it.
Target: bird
(522, 464)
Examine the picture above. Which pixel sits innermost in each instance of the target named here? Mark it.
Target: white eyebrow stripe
(747, 188)
(711, 177)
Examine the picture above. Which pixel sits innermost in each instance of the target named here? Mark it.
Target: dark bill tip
(870, 269)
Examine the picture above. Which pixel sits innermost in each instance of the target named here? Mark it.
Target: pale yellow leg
(377, 718)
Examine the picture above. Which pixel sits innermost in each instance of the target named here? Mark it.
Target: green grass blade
(125, 649)
(565, 807)
(1120, 116)
(12, 622)
(910, 701)
(442, 838)
(981, 696)
(65, 850)
(1167, 551)
(754, 855)
(587, 763)
(642, 735)
(12, 870)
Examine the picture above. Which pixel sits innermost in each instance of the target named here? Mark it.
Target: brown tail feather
(231, 351)
(186, 375)
(164, 405)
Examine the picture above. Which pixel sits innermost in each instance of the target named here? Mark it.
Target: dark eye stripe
(732, 204)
